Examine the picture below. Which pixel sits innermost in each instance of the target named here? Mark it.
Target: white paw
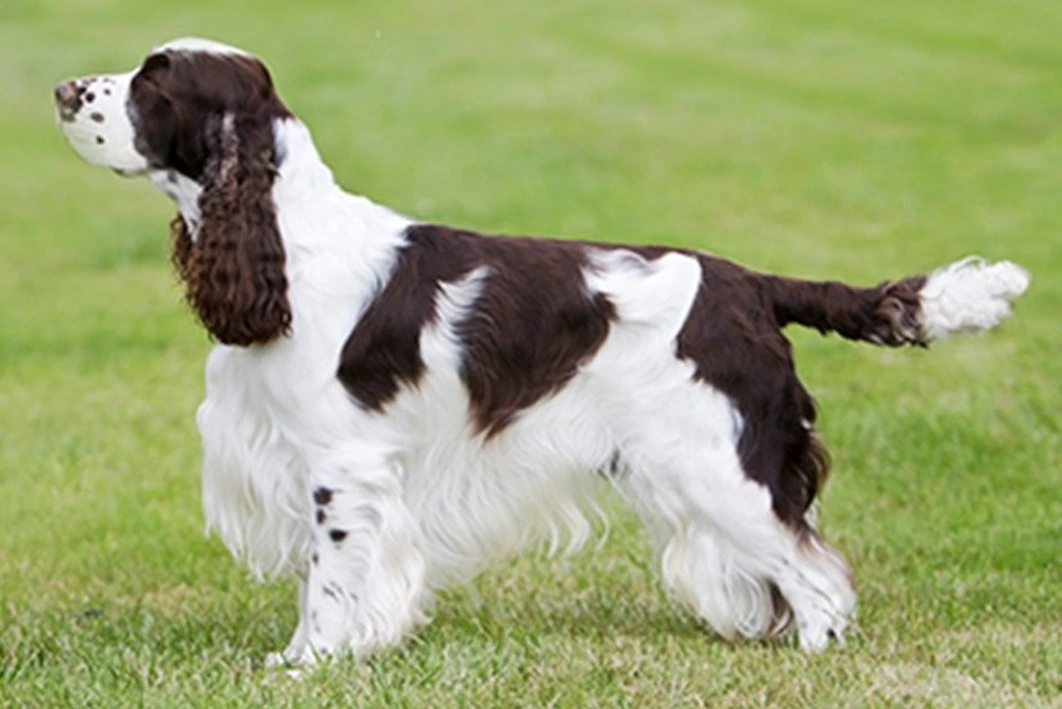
(291, 659)
(275, 659)
(818, 628)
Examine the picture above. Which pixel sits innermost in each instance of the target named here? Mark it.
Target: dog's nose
(67, 99)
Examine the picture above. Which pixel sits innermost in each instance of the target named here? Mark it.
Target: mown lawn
(817, 137)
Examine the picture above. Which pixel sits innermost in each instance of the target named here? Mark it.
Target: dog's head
(166, 113)
(199, 118)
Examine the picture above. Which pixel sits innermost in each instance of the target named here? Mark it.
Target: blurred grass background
(813, 137)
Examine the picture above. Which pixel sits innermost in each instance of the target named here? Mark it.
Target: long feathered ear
(233, 264)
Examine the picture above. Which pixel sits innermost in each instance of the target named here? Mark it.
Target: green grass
(816, 137)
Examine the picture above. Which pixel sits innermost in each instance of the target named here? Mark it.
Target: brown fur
(235, 269)
(210, 118)
(534, 322)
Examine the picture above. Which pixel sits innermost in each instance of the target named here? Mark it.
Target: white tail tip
(971, 295)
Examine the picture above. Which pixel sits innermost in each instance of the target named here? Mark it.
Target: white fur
(184, 192)
(198, 44)
(424, 500)
(83, 133)
(970, 296)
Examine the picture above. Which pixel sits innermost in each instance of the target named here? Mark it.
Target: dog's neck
(301, 174)
(184, 191)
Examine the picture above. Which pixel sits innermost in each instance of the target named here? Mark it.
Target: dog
(391, 405)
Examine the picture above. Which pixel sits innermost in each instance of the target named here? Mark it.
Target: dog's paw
(817, 632)
(294, 663)
(274, 660)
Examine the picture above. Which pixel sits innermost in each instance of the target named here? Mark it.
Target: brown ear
(181, 246)
(233, 265)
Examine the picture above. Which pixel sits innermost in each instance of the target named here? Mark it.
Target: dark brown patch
(615, 469)
(533, 325)
(337, 535)
(889, 314)
(96, 116)
(100, 140)
(178, 94)
(320, 516)
(734, 337)
(322, 495)
(210, 118)
(90, 97)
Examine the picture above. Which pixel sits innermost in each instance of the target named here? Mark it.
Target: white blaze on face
(94, 116)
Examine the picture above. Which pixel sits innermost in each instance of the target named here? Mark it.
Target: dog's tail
(968, 296)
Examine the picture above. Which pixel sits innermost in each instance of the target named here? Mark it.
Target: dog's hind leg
(296, 649)
(724, 552)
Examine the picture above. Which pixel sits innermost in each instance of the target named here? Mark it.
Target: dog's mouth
(128, 173)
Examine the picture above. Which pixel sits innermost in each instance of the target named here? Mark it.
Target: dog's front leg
(296, 651)
(365, 587)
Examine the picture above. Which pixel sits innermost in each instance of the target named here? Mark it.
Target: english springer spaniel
(393, 405)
